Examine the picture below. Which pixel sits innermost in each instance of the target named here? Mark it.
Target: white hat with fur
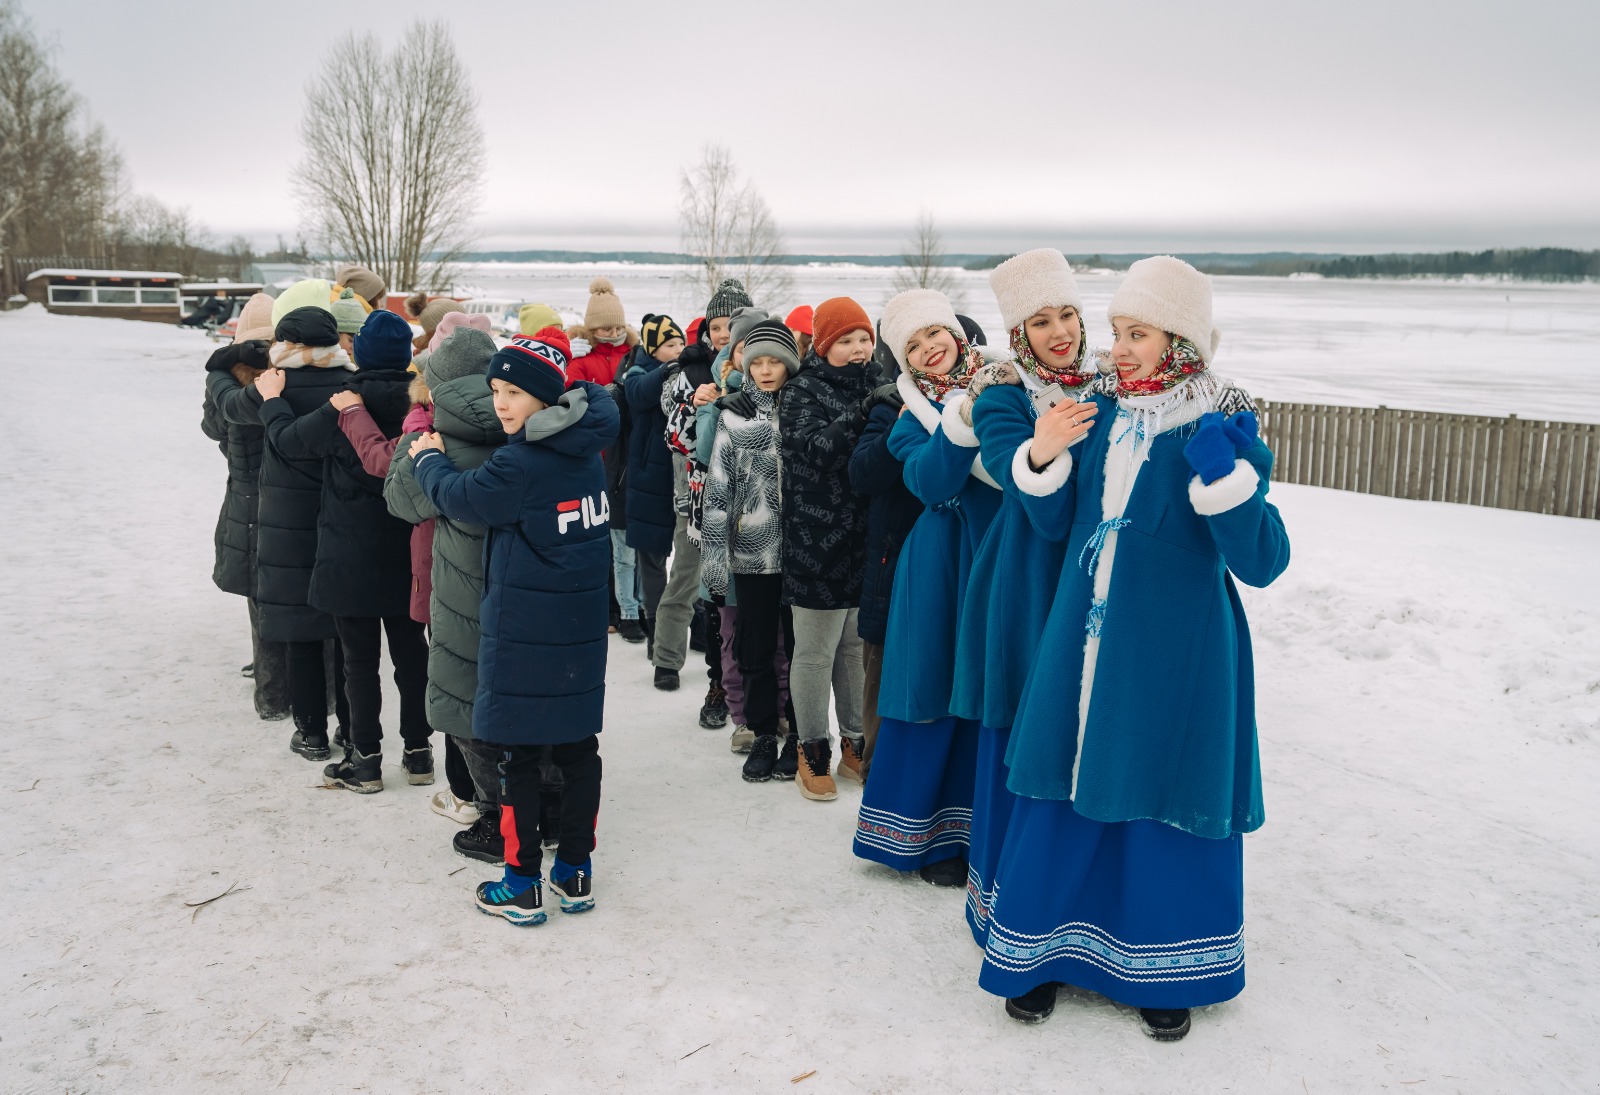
(910, 312)
(1036, 279)
(1168, 293)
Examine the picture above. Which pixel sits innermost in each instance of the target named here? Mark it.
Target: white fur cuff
(1040, 484)
(1233, 489)
(958, 432)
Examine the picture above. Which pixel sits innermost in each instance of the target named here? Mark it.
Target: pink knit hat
(255, 320)
(454, 320)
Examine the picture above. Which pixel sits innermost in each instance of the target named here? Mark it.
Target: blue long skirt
(917, 806)
(1138, 911)
(991, 813)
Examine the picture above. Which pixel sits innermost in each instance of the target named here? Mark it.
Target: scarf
(937, 386)
(294, 355)
(1072, 377)
(617, 341)
(1182, 362)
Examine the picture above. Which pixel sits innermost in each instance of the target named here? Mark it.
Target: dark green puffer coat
(463, 414)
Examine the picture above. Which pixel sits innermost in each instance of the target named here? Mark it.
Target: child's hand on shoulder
(704, 394)
(344, 400)
(427, 439)
(270, 383)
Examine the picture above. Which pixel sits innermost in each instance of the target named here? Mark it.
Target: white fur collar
(930, 415)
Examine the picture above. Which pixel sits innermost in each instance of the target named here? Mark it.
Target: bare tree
(729, 230)
(925, 266)
(393, 165)
(57, 178)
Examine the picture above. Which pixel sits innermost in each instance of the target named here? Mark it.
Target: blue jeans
(625, 568)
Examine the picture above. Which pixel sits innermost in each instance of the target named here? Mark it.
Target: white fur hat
(909, 313)
(1033, 280)
(1169, 293)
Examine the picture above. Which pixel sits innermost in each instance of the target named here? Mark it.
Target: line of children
(1059, 660)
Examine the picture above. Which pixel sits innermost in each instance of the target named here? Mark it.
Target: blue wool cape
(919, 656)
(1171, 732)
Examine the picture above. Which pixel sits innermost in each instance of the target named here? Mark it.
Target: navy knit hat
(384, 342)
(729, 298)
(535, 363)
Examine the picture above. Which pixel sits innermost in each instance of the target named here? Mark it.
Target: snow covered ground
(1467, 347)
(1421, 903)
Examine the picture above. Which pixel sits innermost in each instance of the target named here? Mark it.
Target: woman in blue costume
(916, 808)
(1133, 754)
(1014, 574)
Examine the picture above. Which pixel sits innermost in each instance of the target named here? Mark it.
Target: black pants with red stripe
(520, 783)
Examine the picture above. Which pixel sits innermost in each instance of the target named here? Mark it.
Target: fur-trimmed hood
(578, 330)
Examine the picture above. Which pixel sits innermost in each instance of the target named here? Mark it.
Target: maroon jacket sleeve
(375, 450)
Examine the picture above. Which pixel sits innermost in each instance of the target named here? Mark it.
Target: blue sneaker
(573, 885)
(524, 908)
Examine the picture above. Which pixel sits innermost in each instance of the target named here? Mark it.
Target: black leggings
(762, 618)
(308, 685)
(408, 653)
(521, 780)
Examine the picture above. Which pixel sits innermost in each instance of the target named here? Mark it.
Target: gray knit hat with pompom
(465, 353)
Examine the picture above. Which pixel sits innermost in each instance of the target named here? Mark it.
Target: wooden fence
(1508, 463)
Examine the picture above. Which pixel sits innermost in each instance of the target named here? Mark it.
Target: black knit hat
(729, 297)
(656, 331)
(308, 326)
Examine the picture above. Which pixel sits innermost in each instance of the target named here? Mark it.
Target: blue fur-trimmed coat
(939, 453)
(1171, 732)
(1013, 577)
(547, 563)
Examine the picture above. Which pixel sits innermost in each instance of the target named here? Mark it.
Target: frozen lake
(1526, 349)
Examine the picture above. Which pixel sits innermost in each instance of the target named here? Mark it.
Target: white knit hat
(909, 313)
(1033, 280)
(1170, 294)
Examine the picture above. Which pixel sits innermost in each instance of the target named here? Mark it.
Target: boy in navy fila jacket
(542, 662)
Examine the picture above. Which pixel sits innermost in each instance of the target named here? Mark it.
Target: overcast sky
(1118, 125)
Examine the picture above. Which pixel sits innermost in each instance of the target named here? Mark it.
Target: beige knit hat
(1033, 280)
(1168, 293)
(605, 307)
(434, 312)
(255, 320)
(365, 283)
(909, 313)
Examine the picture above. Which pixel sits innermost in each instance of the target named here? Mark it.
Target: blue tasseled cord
(1097, 542)
(1096, 618)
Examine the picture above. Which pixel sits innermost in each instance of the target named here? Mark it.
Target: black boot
(763, 755)
(418, 763)
(1033, 1006)
(714, 712)
(358, 772)
(632, 631)
(667, 679)
(1165, 1024)
(788, 760)
(482, 841)
(947, 872)
(311, 744)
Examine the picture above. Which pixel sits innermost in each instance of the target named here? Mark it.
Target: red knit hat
(800, 320)
(835, 318)
(694, 329)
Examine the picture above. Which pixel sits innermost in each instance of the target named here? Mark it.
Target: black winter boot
(666, 679)
(358, 772)
(482, 841)
(1165, 1024)
(632, 631)
(763, 755)
(1033, 1006)
(947, 872)
(788, 760)
(311, 744)
(418, 764)
(714, 712)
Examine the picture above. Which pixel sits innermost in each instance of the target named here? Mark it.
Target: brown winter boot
(812, 775)
(849, 761)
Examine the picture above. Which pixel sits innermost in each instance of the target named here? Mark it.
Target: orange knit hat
(835, 318)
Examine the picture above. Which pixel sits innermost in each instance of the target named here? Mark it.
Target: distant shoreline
(1542, 264)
